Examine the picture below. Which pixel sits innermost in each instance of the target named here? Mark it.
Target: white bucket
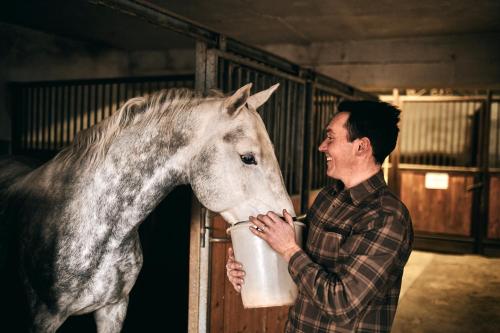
(267, 281)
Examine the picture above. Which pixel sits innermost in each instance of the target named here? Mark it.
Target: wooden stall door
(494, 208)
(227, 314)
(438, 211)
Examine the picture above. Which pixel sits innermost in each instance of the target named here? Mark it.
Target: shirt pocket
(329, 243)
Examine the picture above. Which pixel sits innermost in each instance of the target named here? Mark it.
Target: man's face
(340, 153)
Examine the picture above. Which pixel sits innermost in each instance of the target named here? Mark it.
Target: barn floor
(449, 293)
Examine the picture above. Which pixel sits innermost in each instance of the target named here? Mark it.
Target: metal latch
(474, 187)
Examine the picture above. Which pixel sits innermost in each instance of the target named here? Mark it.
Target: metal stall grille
(323, 111)
(295, 117)
(494, 146)
(441, 133)
(448, 170)
(48, 115)
(283, 114)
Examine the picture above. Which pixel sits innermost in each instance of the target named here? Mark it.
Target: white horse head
(235, 172)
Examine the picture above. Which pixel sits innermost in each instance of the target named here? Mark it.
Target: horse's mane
(93, 143)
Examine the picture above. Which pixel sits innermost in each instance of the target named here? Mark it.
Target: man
(360, 234)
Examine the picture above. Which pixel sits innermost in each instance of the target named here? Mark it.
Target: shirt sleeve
(372, 256)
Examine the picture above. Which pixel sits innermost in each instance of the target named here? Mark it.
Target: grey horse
(78, 214)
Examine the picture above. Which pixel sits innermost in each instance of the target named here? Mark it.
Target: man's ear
(363, 145)
(237, 101)
(260, 98)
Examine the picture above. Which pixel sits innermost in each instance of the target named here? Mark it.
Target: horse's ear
(261, 97)
(238, 100)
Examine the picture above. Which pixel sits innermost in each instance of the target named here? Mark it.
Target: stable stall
(446, 169)
(184, 244)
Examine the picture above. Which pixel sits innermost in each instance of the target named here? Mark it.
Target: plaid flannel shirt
(349, 274)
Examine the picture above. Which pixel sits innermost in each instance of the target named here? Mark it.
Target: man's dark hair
(378, 121)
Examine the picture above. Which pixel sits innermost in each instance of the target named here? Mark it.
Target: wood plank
(494, 208)
(438, 211)
(218, 278)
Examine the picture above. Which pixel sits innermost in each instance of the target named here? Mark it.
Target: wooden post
(394, 177)
(199, 245)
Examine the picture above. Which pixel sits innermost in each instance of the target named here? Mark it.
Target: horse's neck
(134, 177)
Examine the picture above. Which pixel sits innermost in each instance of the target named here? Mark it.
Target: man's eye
(248, 159)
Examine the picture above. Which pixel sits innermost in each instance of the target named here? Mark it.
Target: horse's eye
(248, 159)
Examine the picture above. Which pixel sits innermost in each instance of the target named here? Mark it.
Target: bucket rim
(245, 223)
(299, 218)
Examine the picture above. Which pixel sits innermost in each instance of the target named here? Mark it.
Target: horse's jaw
(254, 207)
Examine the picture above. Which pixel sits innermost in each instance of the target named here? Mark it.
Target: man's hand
(234, 271)
(278, 233)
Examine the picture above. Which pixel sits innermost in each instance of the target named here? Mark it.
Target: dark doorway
(159, 299)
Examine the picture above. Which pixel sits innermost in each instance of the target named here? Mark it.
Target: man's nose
(322, 146)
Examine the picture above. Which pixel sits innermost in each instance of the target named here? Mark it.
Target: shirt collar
(364, 189)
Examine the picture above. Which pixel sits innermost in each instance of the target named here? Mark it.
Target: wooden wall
(438, 211)
(494, 208)
(227, 314)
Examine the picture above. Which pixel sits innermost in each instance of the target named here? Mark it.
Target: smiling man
(360, 234)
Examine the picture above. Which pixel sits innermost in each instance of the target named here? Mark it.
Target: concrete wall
(28, 55)
(460, 61)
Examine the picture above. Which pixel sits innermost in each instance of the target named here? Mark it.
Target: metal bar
(440, 133)
(415, 128)
(277, 106)
(97, 111)
(454, 133)
(462, 123)
(16, 131)
(431, 138)
(302, 148)
(43, 118)
(310, 91)
(420, 147)
(258, 66)
(39, 117)
(60, 120)
(36, 116)
(78, 95)
(439, 168)
(118, 96)
(440, 98)
(219, 240)
(230, 68)
(449, 121)
(497, 129)
(30, 115)
(18, 104)
(52, 120)
(468, 134)
(427, 137)
(287, 130)
(263, 56)
(64, 113)
(104, 106)
(19, 120)
(161, 17)
(296, 171)
(196, 229)
(338, 88)
(484, 144)
(159, 78)
(394, 181)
